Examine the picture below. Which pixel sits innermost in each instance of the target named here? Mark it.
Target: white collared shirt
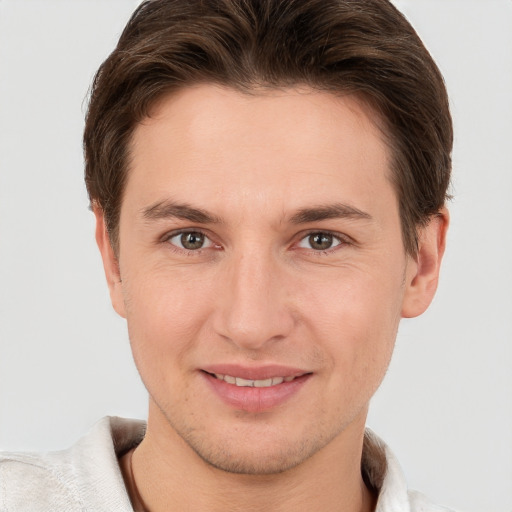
(87, 477)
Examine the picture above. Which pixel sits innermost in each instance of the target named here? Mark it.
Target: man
(268, 180)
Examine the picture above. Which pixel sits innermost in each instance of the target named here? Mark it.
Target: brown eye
(190, 240)
(320, 241)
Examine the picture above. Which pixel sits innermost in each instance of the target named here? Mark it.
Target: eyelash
(342, 240)
(189, 252)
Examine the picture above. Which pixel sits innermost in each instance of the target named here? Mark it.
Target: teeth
(244, 382)
(229, 379)
(265, 383)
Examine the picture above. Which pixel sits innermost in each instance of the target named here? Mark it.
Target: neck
(166, 470)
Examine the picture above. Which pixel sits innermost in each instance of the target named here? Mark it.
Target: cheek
(164, 315)
(354, 300)
(356, 322)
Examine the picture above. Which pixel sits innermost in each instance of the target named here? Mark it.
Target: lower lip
(252, 399)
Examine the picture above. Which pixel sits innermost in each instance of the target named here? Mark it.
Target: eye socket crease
(168, 209)
(195, 241)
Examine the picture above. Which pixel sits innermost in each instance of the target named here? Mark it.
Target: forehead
(209, 144)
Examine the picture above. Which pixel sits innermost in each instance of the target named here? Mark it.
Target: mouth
(254, 383)
(255, 390)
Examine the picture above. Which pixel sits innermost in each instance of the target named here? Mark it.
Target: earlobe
(422, 275)
(110, 262)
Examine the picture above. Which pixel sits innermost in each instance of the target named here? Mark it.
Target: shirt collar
(97, 460)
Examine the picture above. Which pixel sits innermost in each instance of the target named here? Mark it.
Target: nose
(253, 310)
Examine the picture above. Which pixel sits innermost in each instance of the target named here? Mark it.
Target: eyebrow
(170, 209)
(325, 212)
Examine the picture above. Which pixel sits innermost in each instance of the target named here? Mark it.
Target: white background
(445, 407)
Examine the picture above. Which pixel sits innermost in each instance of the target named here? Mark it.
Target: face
(261, 271)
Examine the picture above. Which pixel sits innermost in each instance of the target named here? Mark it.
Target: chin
(266, 461)
(256, 452)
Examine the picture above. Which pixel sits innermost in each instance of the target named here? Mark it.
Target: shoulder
(85, 476)
(420, 503)
(27, 479)
(384, 474)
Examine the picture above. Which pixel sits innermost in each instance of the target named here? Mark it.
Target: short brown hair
(366, 47)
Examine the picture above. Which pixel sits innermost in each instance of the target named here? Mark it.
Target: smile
(260, 389)
(249, 383)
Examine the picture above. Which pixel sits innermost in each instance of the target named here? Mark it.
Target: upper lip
(261, 372)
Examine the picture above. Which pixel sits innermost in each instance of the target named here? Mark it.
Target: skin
(259, 293)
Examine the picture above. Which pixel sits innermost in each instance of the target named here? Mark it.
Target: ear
(110, 262)
(422, 274)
